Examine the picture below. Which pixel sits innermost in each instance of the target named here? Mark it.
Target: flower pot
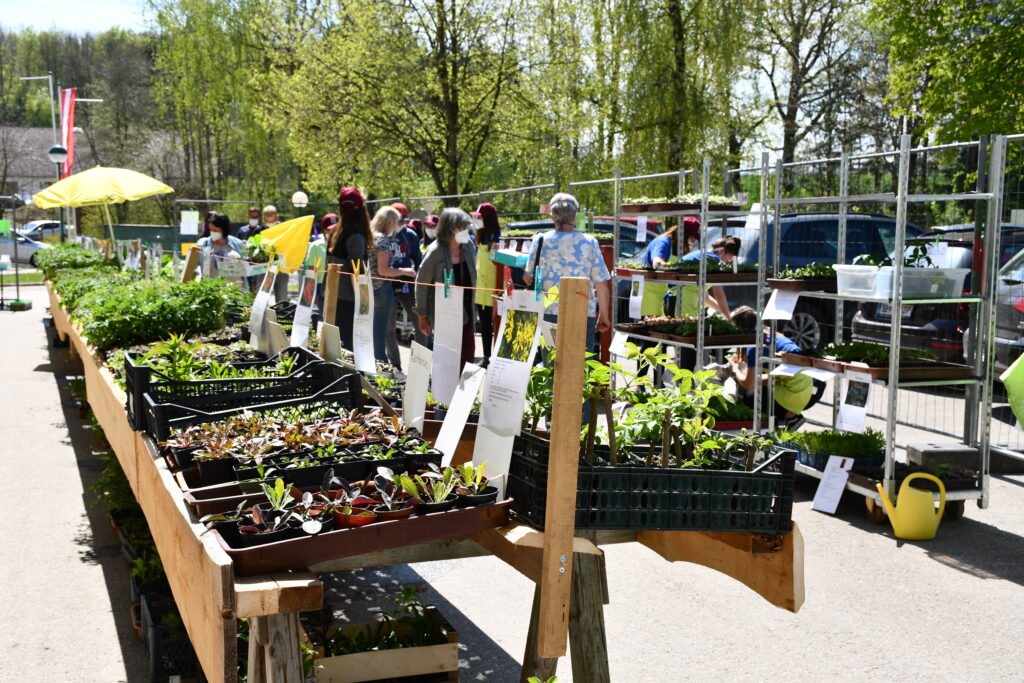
(216, 471)
(247, 537)
(448, 503)
(384, 514)
(489, 495)
(360, 517)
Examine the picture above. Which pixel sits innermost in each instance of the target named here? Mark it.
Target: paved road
(876, 608)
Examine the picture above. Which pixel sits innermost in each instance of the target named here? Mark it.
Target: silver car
(27, 248)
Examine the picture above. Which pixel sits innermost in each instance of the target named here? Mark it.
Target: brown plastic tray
(717, 340)
(803, 285)
(715, 277)
(299, 553)
(920, 370)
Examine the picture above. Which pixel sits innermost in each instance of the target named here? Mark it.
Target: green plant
(833, 442)
(472, 478)
(812, 271)
(171, 621)
(148, 569)
(408, 625)
(66, 257)
(436, 485)
(278, 495)
(874, 355)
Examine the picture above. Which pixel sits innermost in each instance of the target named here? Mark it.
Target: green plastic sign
(5, 226)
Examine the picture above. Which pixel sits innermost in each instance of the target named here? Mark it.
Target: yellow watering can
(915, 518)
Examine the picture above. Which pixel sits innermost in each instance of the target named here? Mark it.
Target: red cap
(691, 227)
(328, 220)
(402, 209)
(487, 210)
(415, 224)
(350, 199)
(476, 214)
(431, 219)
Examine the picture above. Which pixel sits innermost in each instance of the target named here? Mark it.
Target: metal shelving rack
(984, 360)
(703, 214)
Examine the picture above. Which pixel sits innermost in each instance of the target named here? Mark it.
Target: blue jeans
(383, 303)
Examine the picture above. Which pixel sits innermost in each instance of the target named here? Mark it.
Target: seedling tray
(659, 498)
(342, 389)
(709, 339)
(710, 277)
(909, 370)
(141, 379)
(298, 553)
(803, 285)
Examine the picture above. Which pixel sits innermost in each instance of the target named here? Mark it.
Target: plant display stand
(568, 568)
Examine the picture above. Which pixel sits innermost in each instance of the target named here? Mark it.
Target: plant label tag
(833, 483)
(362, 324)
(414, 399)
(618, 345)
(495, 450)
(444, 374)
(229, 267)
(465, 393)
(207, 262)
(258, 314)
(820, 374)
(277, 340)
(780, 305)
(787, 370)
(527, 246)
(330, 343)
(641, 229)
(636, 296)
(853, 406)
(505, 390)
(304, 310)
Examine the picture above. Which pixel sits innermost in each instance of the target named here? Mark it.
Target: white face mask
(462, 237)
(216, 236)
(254, 222)
(431, 233)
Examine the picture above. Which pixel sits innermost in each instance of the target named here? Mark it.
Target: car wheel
(32, 260)
(803, 329)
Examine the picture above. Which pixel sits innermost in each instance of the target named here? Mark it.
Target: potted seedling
(436, 489)
(396, 500)
(473, 488)
(263, 528)
(226, 523)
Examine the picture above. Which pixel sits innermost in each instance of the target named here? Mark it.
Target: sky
(73, 16)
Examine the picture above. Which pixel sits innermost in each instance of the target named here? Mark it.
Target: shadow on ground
(96, 539)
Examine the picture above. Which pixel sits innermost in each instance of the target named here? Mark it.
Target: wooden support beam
(274, 649)
(533, 664)
(563, 466)
(191, 262)
(258, 596)
(771, 566)
(521, 546)
(586, 620)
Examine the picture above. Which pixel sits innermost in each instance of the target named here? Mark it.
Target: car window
(1014, 268)
(887, 235)
(810, 239)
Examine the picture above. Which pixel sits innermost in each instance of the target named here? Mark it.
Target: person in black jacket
(350, 241)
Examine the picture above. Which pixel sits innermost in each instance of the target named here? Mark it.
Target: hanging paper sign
(509, 368)
(444, 374)
(833, 483)
(853, 407)
(254, 268)
(414, 398)
(362, 324)
(304, 310)
(618, 345)
(466, 389)
(258, 314)
(636, 296)
(780, 305)
(641, 229)
(189, 222)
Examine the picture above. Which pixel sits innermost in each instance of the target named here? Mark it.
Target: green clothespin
(538, 282)
(449, 274)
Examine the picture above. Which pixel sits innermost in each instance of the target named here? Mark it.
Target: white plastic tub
(918, 283)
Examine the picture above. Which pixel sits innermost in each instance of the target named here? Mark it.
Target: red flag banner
(67, 127)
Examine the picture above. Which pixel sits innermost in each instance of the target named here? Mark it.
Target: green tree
(956, 70)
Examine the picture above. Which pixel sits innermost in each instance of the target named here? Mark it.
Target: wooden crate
(380, 664)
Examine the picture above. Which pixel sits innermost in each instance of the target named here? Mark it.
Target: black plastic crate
(141, 379)
(330, 384)
(659, 498)
(170, 650)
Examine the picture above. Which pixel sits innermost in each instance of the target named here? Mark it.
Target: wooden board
(563, 468)
(771, 566)
(61, 320)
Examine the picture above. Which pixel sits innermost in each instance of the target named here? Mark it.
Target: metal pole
(762, 252)
(997, 167)
(840, 318)
(702, 276)
(896, 307)
(971, 398)
(776, 232)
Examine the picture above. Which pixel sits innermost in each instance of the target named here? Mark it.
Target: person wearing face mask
(219, 244)
(429, 230)
(316, 257)
(452, 250)
(252, 225)
(487, 236)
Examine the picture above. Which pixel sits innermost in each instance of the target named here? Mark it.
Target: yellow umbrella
(290, 239)
(100, 186)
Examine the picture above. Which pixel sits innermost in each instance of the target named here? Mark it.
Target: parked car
(1009, 313)
(40, 230)
(813, 238)
(27, 248)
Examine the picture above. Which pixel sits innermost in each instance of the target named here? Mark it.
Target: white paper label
(258, 314)
(853, 407)
(189, 222)
(636, 296)
(618, 345)
(527, 246)
(330, 342)
(465, 393)
(496, 451)
(230, 267)
(787, 370)
(414, 400)
(833, 483)
(447, 343)
(277, 339)
(304, 310)
(641, 229)
(818, 373)
(362, 324)
(780, 305)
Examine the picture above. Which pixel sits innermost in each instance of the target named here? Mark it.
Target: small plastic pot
(361, 517)
(250, 535)
(384, 514)
(447, 504)
(489, 495)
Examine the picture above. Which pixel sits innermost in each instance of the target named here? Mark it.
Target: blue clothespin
(448, 275)
(538, 282)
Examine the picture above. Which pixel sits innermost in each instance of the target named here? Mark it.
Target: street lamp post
(300, 199)
(58, 155)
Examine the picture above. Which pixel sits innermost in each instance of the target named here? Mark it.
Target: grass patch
(25, 279)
